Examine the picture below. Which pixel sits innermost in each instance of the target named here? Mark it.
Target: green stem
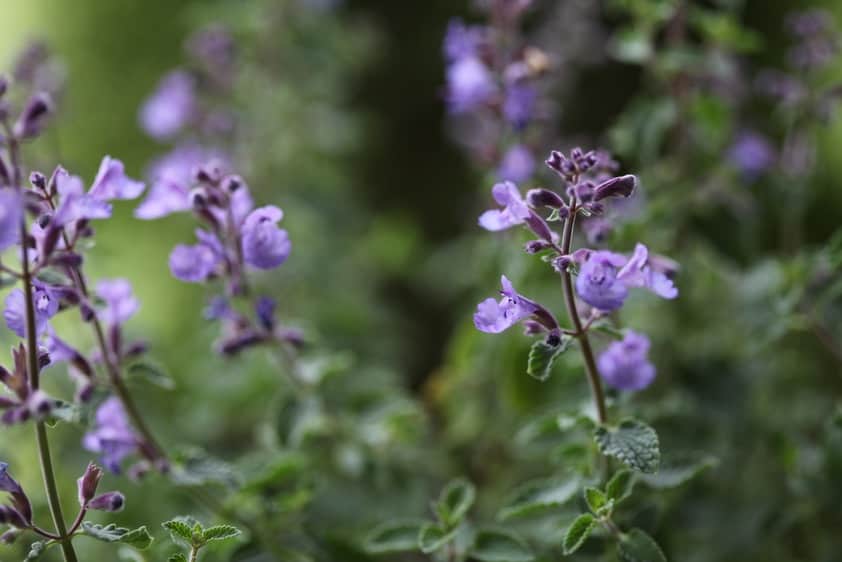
(582, 335)
(194, 554)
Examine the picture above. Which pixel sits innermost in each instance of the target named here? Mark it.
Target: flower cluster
(603, 278)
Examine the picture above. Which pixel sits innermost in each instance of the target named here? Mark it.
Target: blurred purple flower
(265, 246)
(461, 41)
(46, 306)
(19, 514)
(194, 264)
(112, 435)
(469, 84)
(111, 182)
(624, 364)
(517, 165)
(170, 107)
(519, 105)
(752, 154)
(514, 212)
(120, 302)
(10, 216)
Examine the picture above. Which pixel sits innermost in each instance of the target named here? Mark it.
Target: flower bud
(621, 186)
(232, 183)
(539, 227)
(10, 536)
(265, 310)
(38, 180)
(535, 246)
(544, 198)
(32, 117)
(87, 484)
(109, 501)
(10, 516)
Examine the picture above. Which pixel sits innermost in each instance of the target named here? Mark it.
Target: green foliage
(454, 502)
(491, 545)
(578, 532)
(620, 486)
(633, 442)
(397, 536)
(137, 538)
(539, 495)
(542, 355)
(596, 499)
(178, 557)
(432, 537)
(637, 546)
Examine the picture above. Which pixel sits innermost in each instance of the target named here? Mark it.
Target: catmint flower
(87, 484)
(517, 165)
(494, 316)
(46, 306)
(752, 154)
(264, 245)
(111, 182)
(170, 107)
(112, 436)
(519, 105)
(31, 120)
(19, 514)
(10, 216)
(514, 212)
(639, 271)
(120, 302)
(624, 364)
(109, 501)
(469, 84)
(461, 41)
(620, 186)
(196, 263)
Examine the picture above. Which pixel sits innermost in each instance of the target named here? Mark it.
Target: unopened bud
(88, 483)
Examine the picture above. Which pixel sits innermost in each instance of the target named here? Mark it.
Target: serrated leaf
(500, 546)
(542, 355)
(620, 486)
(179, 529)
(180, 557)
(196, 468)
(538, 495)
(578, 533)
(432, 537)
(637, 546)
(138, 538)
(633, 442)
(677, 470)
(595, 498)
(454, 502)
(151, 373)
(221, 533)
(398, 536)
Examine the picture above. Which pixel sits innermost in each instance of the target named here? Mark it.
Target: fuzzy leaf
(637, 546)
(542, 355)
(138, 538)
(36, 549)
(633, 442)
(432, 537)
(578, 532)
(538, 495)
(595, 498)
(221, 533)
(179, 529)
(399, 536)
(500, 546)
(620, 486)
(677, 470)
(454, 502)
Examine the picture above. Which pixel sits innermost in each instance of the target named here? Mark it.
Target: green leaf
(596, 499)
(677, 470)
(221, 533)
(500, 546)
(36, 549)
(620, 486)
(138, 538)
(152, 373)
(538, 495)
(194, 467)
(179, 528)
(394, 536)
(454, 502)
(637, 546)
(67, 412)
(542, 355)
(633, 442)
(578, 532)
(180, 557)
(432, 537)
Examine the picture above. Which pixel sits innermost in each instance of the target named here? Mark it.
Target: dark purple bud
(109, 501)
(85, 392)
(622, 186)
(38, 180)
(40, 404)
(210, 172)
(584, 191)
(544, 198)
(87, 311)
(67, 259)
(553, 338)
(43, 358)
(535, 246)
(10, 536)
(265, 309)
(32, 117)
(557, 162)
(561, 263)
(44, 219)
(5, 177)
(50, 240)
(199, 198)
(238, 342)
(87, 484)
(533, 328)
(136, 349)
(11, 517)
(539, 227)
(230, 184)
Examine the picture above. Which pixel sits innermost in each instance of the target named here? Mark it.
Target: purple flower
(194, 264)
(75, 203)
(514, 212)
(494, 317)
(517, 165)
(46, 306)
(264, 308)
(265, 246)
(605, 278)
(109, 501)
(112, 436)
(469, 84)
(87, 484)
(461, 41)
(172, 176)
(752, 154)
(10, 215)
(120, 302)
(170, 107)
(519, 105)
(19, 514)
(111, 182)
(624, 364)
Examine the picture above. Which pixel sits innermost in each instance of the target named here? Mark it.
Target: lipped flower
(198, 262)
(170, 107)
(515, 211)
(24, 403)
(265, 246)
(493, 316)
(46, 306)
(605, 277)
(112, 436)
(87, 485)
(120, 302)
(625, 365)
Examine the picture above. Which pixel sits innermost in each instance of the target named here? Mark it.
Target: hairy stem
(194, 554)
(582, 335)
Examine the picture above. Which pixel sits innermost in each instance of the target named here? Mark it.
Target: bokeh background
(347, 131)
